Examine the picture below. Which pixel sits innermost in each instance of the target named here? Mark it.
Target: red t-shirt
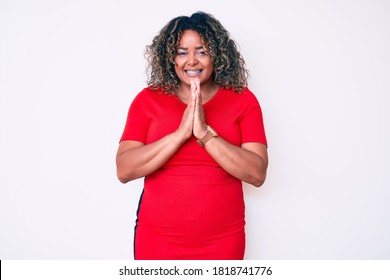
(236, 118)
(190, 207)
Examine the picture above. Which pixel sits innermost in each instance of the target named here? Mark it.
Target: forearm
(137, 162)
(243, 164)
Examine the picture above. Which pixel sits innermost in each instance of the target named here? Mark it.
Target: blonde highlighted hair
(229, 65)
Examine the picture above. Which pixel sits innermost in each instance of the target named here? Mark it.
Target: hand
(199, 126)
(185, 129)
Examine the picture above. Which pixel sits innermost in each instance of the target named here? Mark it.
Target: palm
(199, 119)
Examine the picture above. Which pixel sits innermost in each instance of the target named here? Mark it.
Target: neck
(206, 90)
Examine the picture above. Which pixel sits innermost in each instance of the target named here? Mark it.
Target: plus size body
(166, 152)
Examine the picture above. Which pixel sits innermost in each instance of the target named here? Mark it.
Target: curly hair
(229, 65)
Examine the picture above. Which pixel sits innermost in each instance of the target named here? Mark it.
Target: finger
(192, 102)
(193, 86)
(200, 98)
(197, 83)
(199, 108)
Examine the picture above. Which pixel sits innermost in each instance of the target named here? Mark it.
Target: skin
(194, 68)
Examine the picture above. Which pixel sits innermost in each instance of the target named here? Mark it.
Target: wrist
(209, 134)
(179, 137)
(202, 134)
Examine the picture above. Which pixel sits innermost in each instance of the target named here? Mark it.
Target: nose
(192, 60)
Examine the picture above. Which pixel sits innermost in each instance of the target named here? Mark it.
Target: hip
(192, 199)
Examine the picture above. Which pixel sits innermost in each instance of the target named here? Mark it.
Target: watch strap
(210, 133)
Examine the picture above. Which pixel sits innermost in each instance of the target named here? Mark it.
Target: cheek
(178, 63)
(178, 71)
(210, 67)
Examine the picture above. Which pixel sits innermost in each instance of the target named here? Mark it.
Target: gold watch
(210, 133)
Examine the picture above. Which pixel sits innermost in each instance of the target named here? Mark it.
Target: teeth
(193, 72)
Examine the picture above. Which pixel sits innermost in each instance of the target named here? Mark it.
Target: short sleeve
(251, 123)
(137, 120)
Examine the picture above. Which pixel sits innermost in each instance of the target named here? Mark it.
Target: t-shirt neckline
(205, 104)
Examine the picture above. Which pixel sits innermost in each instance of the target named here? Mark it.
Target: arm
(247, 163)
(134, 159)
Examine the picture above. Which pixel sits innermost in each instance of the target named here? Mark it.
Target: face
(192, 59)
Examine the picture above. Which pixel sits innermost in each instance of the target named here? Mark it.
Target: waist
(195, 196)
(192, 174)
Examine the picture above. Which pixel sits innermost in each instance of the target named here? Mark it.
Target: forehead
(190, 38)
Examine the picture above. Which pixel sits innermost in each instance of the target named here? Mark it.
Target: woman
(195, 133)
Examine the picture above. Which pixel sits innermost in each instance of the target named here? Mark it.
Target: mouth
(193, 72)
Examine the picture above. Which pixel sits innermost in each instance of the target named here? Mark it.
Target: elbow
(127, 175)
(261, 174)
(123, 172)
(124, 177)
(123, 180)
(257, 181)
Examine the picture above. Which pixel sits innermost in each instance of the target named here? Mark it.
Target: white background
(320, 69)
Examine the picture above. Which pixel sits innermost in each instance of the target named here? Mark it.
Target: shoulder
(245, 96)
(149, 100)
(249, 95)
(148, 93)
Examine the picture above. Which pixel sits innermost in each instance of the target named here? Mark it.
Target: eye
(201, 53)
(181, 53)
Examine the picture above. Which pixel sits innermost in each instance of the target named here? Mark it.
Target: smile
(193, 72)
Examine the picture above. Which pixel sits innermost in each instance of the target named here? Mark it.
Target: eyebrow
(197, 48)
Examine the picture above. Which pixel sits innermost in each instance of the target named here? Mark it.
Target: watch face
(212, 131)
